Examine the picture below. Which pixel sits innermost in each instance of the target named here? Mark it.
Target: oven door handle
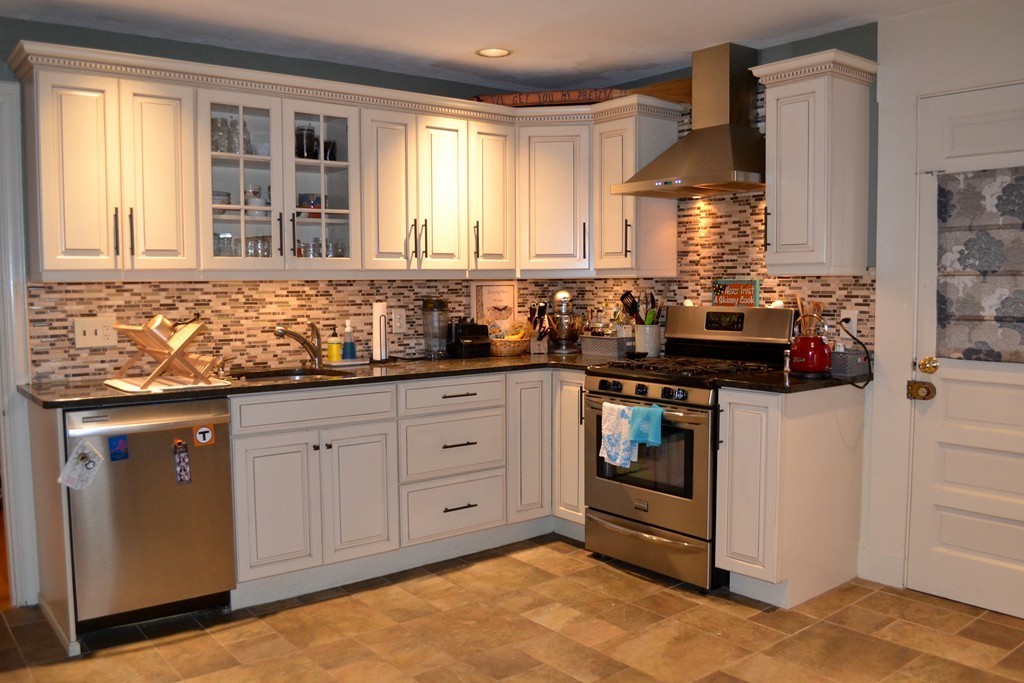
(645, 537)
(694, 418)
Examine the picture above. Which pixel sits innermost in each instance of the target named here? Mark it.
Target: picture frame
(493, 302)
(736, 292)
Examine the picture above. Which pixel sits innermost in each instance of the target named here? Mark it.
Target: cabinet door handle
(584, 239)
(328, 445)
(462, 507)
(131, 231)
(295, 235)
(425, 238)
(280, 233)
(416, 239)
(476, 240)
(581, 405)
(468, 393)
(766, 242)
(316, 447)
(625, 237)
(458, 445)
(117, 231)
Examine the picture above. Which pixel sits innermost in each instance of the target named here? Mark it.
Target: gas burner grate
(692, 367)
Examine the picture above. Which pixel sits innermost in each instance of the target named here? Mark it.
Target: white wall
(958, 47)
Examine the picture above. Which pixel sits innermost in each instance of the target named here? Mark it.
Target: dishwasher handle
(94, 424)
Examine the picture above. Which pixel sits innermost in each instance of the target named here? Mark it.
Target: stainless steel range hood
(723, 153)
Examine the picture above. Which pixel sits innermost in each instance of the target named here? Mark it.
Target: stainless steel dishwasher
(152, 534)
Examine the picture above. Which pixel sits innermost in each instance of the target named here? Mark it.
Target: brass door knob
(928, 365)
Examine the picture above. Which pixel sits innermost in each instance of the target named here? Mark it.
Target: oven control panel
(650, 391)
(674, 394)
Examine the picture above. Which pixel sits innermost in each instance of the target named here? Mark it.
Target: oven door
(669, 486)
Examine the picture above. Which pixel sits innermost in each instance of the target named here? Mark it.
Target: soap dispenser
(349, 349)
(334, 346)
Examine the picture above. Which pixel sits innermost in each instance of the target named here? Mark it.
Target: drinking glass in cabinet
(307, 143)
(219, 132)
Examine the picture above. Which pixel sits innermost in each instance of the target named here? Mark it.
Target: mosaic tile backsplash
(718, 238)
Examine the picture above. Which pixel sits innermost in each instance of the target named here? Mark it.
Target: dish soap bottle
(334, 346)
(349, 349)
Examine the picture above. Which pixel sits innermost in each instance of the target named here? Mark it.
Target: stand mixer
(565, 325)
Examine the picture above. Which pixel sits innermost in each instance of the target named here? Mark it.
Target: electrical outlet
(95, 331)
(398, 321)
(852, 325)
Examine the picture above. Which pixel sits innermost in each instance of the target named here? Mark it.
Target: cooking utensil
(630, 306)
(533, 316)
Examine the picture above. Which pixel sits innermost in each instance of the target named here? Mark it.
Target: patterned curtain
(980, 286)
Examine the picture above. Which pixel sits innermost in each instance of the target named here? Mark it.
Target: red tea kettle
(809, 353)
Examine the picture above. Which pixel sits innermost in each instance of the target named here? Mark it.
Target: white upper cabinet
(111, 176)
(554, 197)
(492, 168)
(415, 191)
(816, 172)
(633, 235)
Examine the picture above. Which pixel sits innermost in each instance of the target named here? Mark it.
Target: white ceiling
(554, 43)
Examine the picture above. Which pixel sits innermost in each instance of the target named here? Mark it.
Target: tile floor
(541, 610)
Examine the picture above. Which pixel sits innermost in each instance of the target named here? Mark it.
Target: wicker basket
(509, 347)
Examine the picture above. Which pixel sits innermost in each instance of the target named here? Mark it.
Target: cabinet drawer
(311, 408)
(441, 508)
(433, 395)
(444, 445)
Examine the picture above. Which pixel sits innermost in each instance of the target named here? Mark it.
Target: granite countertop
(94, 393)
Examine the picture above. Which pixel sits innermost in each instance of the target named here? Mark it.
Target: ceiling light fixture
(493, 52)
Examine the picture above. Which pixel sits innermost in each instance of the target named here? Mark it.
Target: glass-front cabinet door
(321, 186)
(241, 220)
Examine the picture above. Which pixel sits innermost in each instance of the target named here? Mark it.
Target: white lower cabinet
(529, 444)
(788, 491)
(307, 497)
(567, 479)
(439, 508)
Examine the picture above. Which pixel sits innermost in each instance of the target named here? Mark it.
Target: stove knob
(603, 385)
(616, 385)
(667, 393)
(640, 390)
(680, 394)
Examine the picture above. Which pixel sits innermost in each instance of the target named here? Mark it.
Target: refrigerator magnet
(182, 466)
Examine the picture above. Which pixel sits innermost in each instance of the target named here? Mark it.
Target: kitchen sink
(292, 374)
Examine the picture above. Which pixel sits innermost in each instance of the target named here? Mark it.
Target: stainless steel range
(658, 513)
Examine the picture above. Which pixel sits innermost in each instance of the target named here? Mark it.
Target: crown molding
(830, 62)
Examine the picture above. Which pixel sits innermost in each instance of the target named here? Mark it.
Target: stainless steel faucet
(312, 345)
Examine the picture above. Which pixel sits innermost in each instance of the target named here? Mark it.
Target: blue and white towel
(616, 447)
(645, 425)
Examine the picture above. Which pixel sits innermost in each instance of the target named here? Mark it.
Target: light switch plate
(852, 325)
(95, 331)
(398, 320)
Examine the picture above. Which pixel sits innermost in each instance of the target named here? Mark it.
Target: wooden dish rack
(167, 344)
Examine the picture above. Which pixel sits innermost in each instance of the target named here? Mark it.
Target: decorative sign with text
(736, 293)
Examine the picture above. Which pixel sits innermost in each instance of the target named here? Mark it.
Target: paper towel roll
(380, 330)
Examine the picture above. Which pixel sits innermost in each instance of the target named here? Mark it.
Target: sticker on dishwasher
(118, 447)
(182, 467)
(203, 435)
(81, 466)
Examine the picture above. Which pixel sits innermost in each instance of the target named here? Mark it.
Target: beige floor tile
(239, 625)
(396, 603)
(275, 606)
(577, 596)
(366, 669)
(497, 576)
(666, 602)
(140, 662)
(841, 654)
(522, 601)
(674, 651)
(629, 675)
(336, 653)
(833, 600)
(916, 611)
(859, 619)
(542, 673)
(784, 620)
(941, 644)
(438, 591)
(759, 668)
(194, 653)
(293, 668)
(38, 643)
(622, 585)
(11, 660)
(873, 585)
(405, 650)
(592, 631)
(992, 633)
(1004, 620)
(934, 601)
(460, 672)
(16, 616)
(326, 621)
(582, 663)
(630, 618)
(550, 560)
(938, 670)
(723, 600)
(736, 630)
(554, 615)
(472, 629)
(501, 662)
(260, 647)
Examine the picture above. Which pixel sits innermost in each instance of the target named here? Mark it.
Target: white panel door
(554, 197)
(614, 214)
(277, 503)
(79, 174)
(391, 227)
(492, 186)
(567, 480)
(967, 486)
(442, 190)
(158, 174)
(359, 475)
(529, 445)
